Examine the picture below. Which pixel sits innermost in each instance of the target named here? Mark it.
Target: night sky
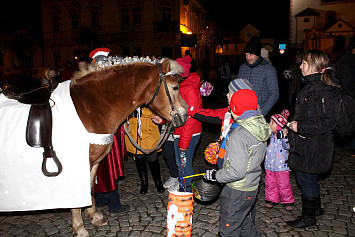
(270, 17)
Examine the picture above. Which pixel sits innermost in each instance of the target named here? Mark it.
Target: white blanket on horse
(23, 186)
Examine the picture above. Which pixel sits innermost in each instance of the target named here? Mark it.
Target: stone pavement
(147, 214)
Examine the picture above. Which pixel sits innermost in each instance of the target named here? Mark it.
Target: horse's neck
(103, 111)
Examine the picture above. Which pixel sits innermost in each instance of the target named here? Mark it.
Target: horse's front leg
(77, 223)
(96, 217)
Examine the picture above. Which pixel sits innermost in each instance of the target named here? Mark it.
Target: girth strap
(39, 134)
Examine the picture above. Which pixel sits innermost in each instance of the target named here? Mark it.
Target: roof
(308, 12)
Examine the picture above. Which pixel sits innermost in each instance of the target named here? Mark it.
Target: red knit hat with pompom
(281, 119)
(185, 63)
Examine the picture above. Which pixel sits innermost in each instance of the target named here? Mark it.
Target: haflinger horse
(103, 99)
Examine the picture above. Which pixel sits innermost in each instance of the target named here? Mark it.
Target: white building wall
(344, 10)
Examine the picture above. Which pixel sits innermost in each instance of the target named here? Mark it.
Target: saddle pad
(23, 187)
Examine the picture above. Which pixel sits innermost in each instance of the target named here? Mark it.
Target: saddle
(39, 123)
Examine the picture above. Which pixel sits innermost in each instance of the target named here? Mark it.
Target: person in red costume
(110, 169)
(187, 136)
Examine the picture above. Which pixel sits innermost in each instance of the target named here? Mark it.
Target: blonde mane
(108, 62)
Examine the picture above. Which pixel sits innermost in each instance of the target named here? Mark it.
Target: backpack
(345, 116)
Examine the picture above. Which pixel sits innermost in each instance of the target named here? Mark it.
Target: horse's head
(167, 99)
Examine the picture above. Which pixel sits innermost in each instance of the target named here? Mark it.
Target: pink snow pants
(277, 185)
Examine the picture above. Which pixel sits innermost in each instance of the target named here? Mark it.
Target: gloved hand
(191, 111)
(281, 134)
(210, 175)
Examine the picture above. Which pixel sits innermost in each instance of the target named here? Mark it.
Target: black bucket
(205, 191)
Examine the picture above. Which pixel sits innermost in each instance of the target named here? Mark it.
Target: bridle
(176, 118)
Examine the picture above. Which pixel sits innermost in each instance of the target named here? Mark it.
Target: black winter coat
(312, 147)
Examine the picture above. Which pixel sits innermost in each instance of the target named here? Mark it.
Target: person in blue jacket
(261, 75)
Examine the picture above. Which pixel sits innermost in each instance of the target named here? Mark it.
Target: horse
(105, 97)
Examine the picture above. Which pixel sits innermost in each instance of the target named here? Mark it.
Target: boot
(155, 170)
(319, 210)
(143, 174)
(308, 214)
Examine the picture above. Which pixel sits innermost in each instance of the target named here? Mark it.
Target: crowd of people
(298, 139)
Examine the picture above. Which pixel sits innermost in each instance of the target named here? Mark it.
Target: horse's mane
(108, 62)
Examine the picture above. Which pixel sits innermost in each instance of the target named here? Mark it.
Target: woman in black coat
(311, 135)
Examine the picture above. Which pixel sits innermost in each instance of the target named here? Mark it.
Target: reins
(157, 146)
(164, 136)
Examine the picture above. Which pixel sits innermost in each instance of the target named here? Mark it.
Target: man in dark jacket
(346, 73)
(261, 75)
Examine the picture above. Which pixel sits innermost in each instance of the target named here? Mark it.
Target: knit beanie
(253, 46)
(185, 63)
(239, 84)
(280, 119)
(242, 101)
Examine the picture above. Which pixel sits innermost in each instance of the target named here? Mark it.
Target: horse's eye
(175, 87)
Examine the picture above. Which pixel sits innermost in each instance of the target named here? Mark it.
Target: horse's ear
(165, 65)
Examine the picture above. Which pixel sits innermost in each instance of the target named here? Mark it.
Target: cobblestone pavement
(147, 214)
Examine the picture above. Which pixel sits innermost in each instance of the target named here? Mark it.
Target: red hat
(242, 101)
(185, 63)
(280, 119)
(99, 52)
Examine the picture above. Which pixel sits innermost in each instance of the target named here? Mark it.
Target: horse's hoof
(81, 233)
(99, 221)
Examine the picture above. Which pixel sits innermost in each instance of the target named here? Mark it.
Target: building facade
(72, 28)
(322, 24)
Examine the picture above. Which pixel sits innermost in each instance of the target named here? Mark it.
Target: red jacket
(190, 92)
(215, 116)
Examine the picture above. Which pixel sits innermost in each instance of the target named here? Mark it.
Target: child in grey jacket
(245, 150)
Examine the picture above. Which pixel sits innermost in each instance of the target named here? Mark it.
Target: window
(167, 52)
(124, 16)
(15, 62)
(125, 52)
(74, 21)
(331, 18)
(95, 19)
(227, 47)
(166, 14)
(249, 35)
(137, 16)
(306, 19)
(137, 51)
(28, 61)
(56, 56)
(55, 23)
